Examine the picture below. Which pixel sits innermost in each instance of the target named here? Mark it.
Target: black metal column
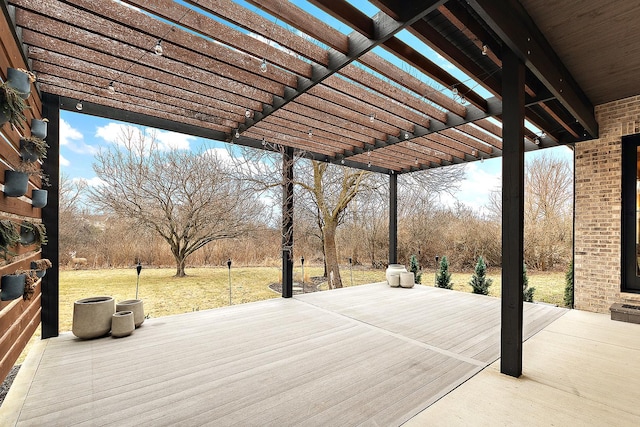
(50, 283)
(287, 222)
(393, 219)
(513, 113)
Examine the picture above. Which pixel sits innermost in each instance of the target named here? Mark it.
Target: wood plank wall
(19, 319)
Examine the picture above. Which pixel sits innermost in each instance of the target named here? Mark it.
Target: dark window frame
(630, 278)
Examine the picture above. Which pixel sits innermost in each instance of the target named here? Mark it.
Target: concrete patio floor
(368, 355)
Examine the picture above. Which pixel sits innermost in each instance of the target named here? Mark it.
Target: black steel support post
(393, 219)
(50, 213)
(513, 113)
(287, 223)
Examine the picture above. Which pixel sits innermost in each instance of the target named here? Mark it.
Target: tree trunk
(331, 255)
(180, 264)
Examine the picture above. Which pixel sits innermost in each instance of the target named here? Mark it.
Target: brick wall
(598, 208)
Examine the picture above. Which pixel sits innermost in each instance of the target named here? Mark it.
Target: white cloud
(68, 134)
(91, 182)
(64, 162)
(113, 132)
(73, 139)
(475, 188)
(172, 140)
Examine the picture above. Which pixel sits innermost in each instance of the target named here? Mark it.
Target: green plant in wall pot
(9, 237)
(13, 94)
(40, 266)
(33, 148)
(33, 233)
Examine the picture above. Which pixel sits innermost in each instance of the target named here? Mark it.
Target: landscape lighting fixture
(372, 117)
(247, 113)
(237, 134)
(264, 142)
(111, 88)
(310, 133)
(263, 66)
(158, 48)
(369, 165)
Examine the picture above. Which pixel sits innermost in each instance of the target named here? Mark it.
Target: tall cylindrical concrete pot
(92, 317)
(122, 324)
(134, 305)
(394, 270)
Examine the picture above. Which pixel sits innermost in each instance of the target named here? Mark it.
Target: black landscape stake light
(351, 269)
(229, 267)
(435, 281)
(138, 269)
(302, 262)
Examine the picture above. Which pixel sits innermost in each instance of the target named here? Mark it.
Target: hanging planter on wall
(32, 149)
(33, 233)
(39, 198)
(20, 80)
(9, 237)
(40, 266)
(16, 183)
(39, 128)
(12, 286)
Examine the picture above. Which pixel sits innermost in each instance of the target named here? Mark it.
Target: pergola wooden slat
(213, 50)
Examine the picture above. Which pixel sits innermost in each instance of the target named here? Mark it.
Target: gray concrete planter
(15, 183)
(12, 286)
(134, 305)
(92, 317)
(39, 198)
(38, 128)
(19, 81)
(122, 324)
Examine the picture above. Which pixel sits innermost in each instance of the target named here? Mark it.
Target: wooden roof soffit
(518, 31)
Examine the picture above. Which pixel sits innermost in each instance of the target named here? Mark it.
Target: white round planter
(134, 305)
(92, 317)
(407, 280)
(394, 270)
(122, 324)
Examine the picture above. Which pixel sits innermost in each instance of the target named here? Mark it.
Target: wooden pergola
(360, 89)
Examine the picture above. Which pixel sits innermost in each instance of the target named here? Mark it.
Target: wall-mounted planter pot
(134, 305)
(38, 128)
(12, 286)
(39, 198)
(15, 183)
(26, 154)
(27, 236)
(19, 80)
(40, 272)
(92, 317)
(4, 116)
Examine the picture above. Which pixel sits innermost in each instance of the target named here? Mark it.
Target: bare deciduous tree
(185, 197)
